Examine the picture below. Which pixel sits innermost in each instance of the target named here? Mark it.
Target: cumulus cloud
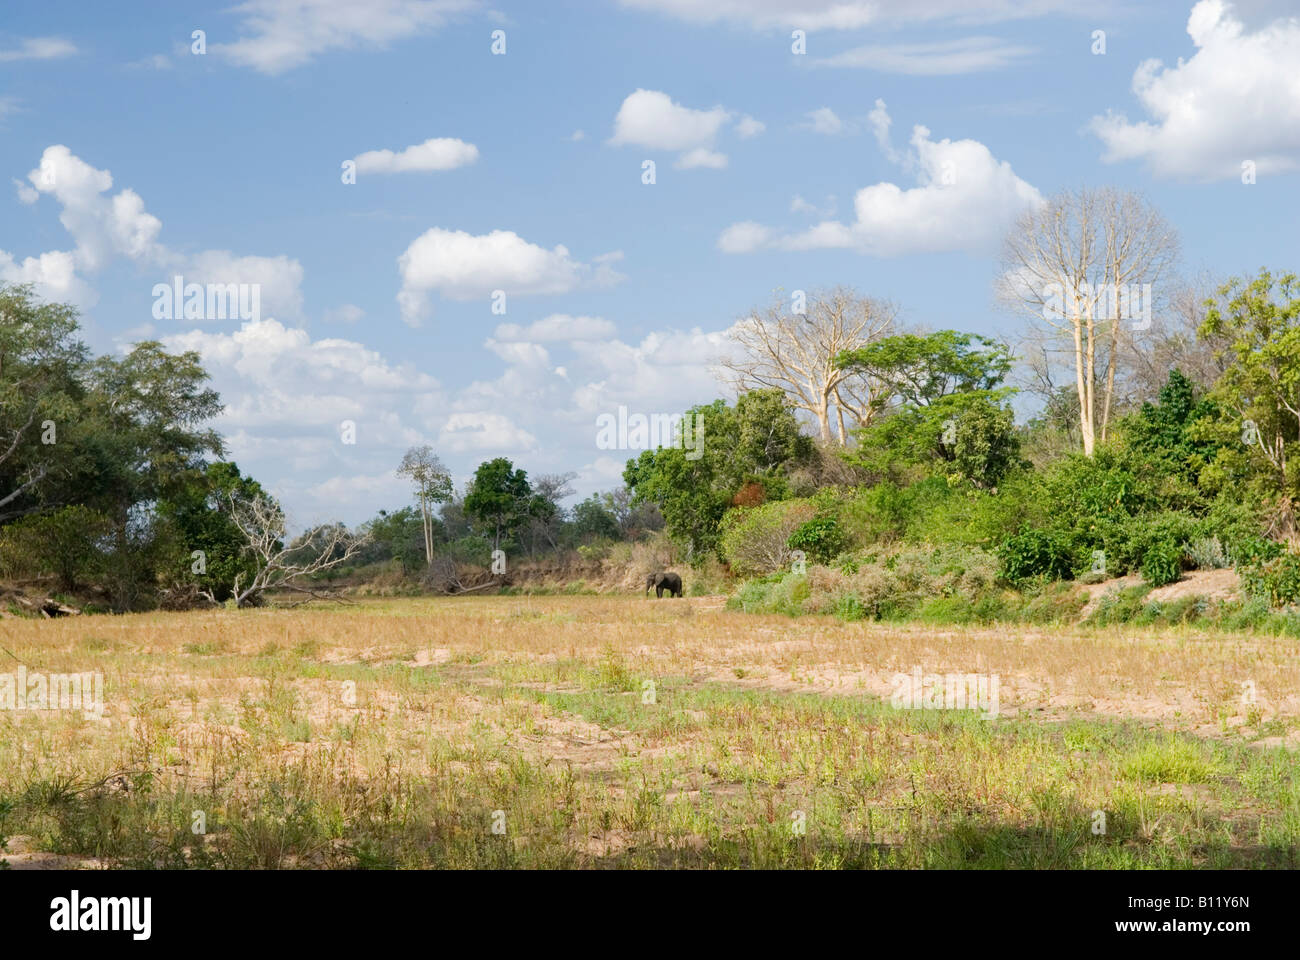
(39, 48)
(745, 237)
(652, 119)
(280, 35)
(463, 266)
(557, 326)
(1235, 100)
(965, 55)
(747, 127)
(108, 225)
(465, 432)
(287, 396)
(439, 153)
(964, 200)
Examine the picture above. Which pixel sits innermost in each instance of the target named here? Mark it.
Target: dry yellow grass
(584, 731)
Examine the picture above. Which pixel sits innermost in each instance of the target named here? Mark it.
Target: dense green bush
(71, 544)
(1035, 554)
(1162, 562)
(821, 538)
(1275, 580)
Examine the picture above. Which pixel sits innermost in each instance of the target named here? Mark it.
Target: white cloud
(879, 122)
(39, 48)
(848, 14)
(463, 266)
(1235, 100)
(287, 396)
(964, 200)
(484, 432)
(650, 118)
(439, 153)
(744, 237)
(106, 226)
(967, 55)
(700, 157)
(557, 326)
(799, 205)
(54, 275)
(283, 34)
(823, 120)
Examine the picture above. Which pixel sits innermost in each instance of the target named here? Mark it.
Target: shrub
(849, 607)
(1277, 580)
(68, 543)
(755, 541)
(1036, 554)
(821, 538)
(1250, 550)
(1207, 553)
(1162, 563)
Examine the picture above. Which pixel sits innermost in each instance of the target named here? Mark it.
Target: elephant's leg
(659, 591)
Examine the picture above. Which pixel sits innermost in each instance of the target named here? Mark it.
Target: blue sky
(127, 159)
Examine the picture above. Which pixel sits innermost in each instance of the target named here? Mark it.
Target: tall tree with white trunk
(795, 353)
(1086, 266)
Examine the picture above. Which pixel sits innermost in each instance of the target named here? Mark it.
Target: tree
(795, 353)
(920, 370)
(1259, 320)
(946, 407)
(546, 516)
(432, 485)
(262, 523)
(400, 536)
(593, 520)
(142, 435)
(500, 499)
(747, 448)
(200, 510)
(67, 543)
(1075, 263)
(40, 393)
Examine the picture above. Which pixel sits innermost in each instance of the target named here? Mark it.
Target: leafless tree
(1079, 265)
(261, 521)
(432, 485)
(795, 353)
(544, 524)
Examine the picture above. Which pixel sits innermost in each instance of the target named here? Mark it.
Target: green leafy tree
(948, 412)
(400, 536)
(200, 510)
(41, 363)
(920, 370)
(1260, 320)
(752, 445)
(500, 500)
(68, 543)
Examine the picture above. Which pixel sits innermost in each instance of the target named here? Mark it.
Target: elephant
(664, 581)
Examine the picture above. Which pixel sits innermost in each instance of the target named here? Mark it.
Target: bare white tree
(432, 485)
(1080, 265)
(262, 522)
(796, 353)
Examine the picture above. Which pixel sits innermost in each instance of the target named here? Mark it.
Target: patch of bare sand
(21, 854)
(1211, 584)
